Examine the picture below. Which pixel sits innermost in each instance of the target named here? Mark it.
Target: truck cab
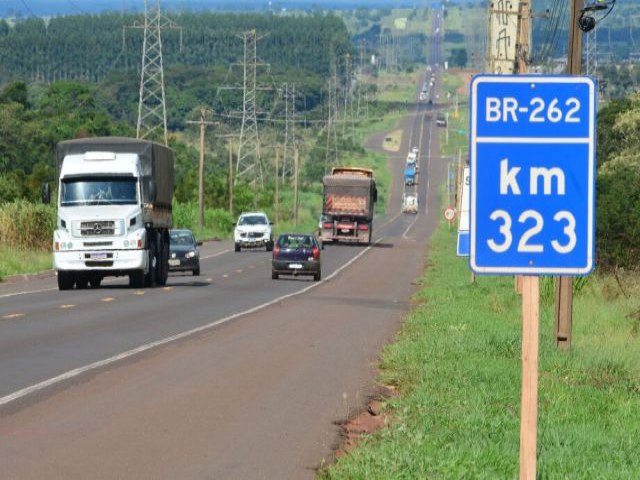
(113, 218)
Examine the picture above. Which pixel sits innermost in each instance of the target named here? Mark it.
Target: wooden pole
(277, 187)
(201, 174)
(564, 285)
(230, 176)
(529, 403)
(295, 184)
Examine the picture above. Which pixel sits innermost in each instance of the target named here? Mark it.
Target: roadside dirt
(365, 422)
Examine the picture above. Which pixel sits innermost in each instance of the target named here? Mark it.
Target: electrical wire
(28, 9)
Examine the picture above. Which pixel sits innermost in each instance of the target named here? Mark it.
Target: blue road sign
(532, 174)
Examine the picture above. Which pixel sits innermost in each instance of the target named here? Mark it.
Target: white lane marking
(27, 292)
(11, 316)
(216, 254)
(143, 348)
(106, 281)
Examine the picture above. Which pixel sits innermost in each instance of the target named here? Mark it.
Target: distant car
(441, 120)
(184, 255)
(409, 203)
(253, 230)
(296, 254)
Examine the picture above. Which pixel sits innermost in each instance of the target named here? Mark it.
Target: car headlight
(190, 254)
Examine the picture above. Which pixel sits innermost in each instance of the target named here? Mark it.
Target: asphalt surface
(227, 375)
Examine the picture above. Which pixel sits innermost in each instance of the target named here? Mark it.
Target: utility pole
(152, 106)
(277, 186)
(203, 123)
(564, 285)
(503, 34)
(289, 126)
(296, 168)
(230, 176)
(201, 174)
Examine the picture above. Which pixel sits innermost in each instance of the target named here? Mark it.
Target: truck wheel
(274, 276)
(270, 246)
(94, 282)
(136, 279)
(82, 282)
(150, 276)
(317, 276)
(196, 271)
(65, 280)
(163, 265)
(237, 247)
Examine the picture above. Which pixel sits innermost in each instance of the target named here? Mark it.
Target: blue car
(296, 254)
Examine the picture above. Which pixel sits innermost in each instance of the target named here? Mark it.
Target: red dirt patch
(365, 422)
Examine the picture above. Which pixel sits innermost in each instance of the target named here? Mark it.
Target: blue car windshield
(98, 191)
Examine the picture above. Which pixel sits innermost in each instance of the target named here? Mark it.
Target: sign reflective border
(532, 166)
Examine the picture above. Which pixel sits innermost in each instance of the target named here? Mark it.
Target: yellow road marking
(139, 293)
(167, 289)
(13, 315)
(225, 276)
(67, 306)
(108, 299)
(238, 271)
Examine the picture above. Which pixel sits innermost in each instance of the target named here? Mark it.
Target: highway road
(227, 375)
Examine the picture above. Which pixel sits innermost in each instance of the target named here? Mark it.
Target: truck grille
(97, 228)
(98, 244)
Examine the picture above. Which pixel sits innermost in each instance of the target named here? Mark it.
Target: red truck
(348, 202)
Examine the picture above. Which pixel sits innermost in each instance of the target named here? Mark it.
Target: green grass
(15, 261)
(456, 363)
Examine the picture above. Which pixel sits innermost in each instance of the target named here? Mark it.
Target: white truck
(114, 211)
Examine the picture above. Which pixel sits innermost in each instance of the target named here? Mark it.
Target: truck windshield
(98, 191)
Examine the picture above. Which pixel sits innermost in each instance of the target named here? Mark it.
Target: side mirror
(199, 243)
(46, 194)
(153, 190)
(375, 194)
(271, 223)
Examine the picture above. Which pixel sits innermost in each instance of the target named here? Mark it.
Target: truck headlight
(190, 254)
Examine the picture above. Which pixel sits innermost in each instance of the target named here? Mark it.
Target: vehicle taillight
(327, 225)
(363, 228)
(315, 251)
(276, 251)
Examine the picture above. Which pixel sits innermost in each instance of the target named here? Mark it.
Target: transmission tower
(289, 93)
(152, 107)
(331, 148)
(248, 161)
(361, 70)
(347, 93)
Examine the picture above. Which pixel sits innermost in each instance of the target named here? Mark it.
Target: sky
(27, 8)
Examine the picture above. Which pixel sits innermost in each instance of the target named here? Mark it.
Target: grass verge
(456, 363)
(14, 261)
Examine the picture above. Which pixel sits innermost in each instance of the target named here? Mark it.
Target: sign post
(449, 215)
(532, 167)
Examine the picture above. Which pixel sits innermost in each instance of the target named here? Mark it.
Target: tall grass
(27, 225)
